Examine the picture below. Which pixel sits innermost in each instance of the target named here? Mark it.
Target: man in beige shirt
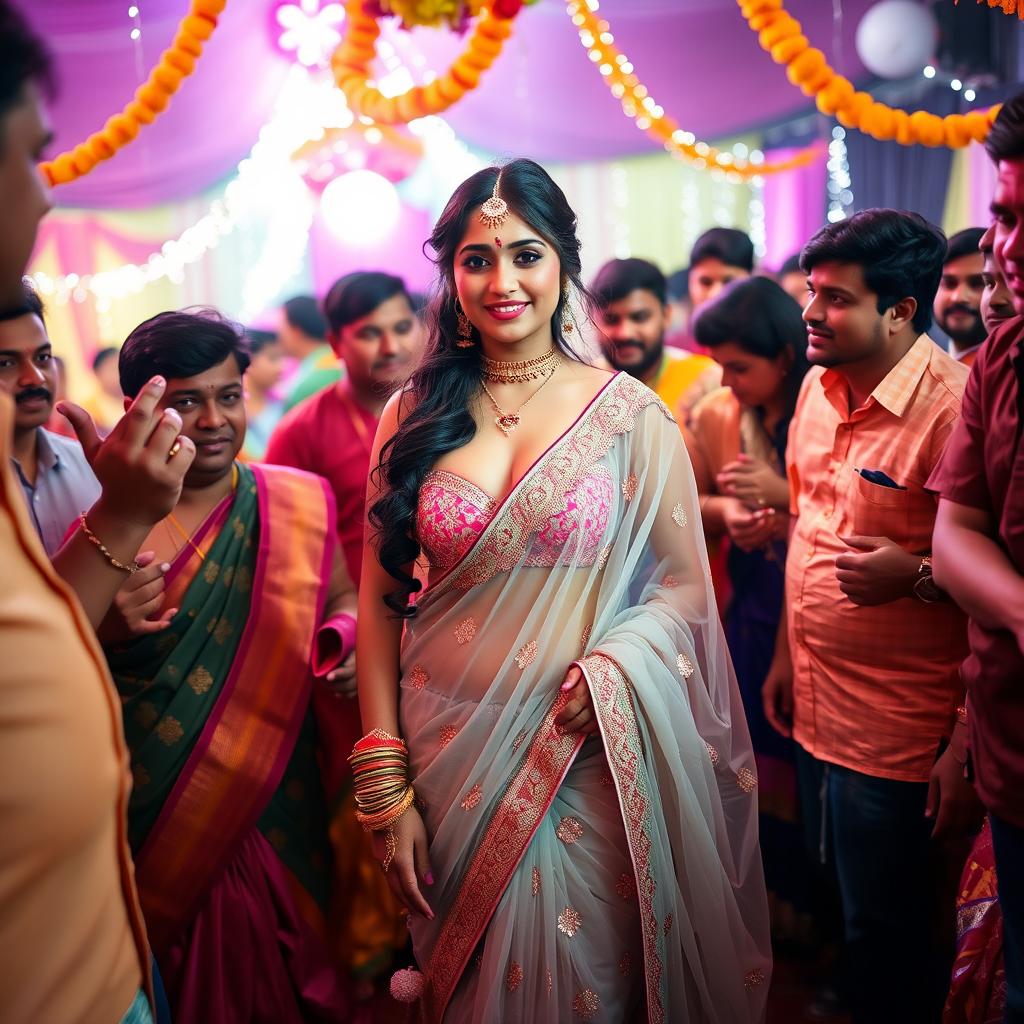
(72, 944)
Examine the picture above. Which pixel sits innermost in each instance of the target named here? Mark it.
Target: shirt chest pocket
(878, 511)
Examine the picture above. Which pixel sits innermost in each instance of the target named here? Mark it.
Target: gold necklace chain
(188, 539)
(508, 421)
(181, 529)
(518, 372)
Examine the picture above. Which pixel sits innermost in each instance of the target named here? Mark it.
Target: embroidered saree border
(505, 840)
(616, 717)
(540, 493)
(245, 745)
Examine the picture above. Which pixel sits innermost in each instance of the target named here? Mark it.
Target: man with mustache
(53, 471)
(866, 675)
(633, 317)
(958, 300)
(979, 550)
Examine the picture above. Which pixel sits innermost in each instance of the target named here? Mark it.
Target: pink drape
(794, 206)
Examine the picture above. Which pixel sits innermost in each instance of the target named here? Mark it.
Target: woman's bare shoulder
(585, 380)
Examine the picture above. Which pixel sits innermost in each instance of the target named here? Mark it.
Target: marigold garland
(639, 105)
(431, 13)
(351, 62)
(1006, 6)
(176, 63)
(781, 36)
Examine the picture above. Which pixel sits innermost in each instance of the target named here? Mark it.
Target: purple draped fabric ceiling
(543, 98)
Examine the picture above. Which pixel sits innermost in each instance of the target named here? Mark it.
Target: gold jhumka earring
(465, 328)
(569, 325)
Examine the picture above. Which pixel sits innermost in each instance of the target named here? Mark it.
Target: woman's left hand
(578, 714)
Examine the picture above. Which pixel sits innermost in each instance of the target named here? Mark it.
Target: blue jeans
(1008, 842)
(872, 836)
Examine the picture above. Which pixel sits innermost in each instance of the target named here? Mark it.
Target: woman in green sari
(583, 843)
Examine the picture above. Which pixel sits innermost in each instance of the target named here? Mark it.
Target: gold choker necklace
(498, 372)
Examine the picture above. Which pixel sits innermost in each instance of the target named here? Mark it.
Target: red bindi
(497, 241)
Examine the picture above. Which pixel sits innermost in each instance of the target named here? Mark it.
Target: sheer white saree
(618, 878)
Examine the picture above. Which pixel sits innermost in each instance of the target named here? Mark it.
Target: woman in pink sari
(583, 842)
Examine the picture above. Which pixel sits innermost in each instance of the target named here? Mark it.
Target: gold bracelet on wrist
(102, 548)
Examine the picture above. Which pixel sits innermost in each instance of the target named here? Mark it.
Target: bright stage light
(311, 30)
(360, 208)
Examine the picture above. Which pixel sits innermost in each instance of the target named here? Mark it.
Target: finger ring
(175, 448)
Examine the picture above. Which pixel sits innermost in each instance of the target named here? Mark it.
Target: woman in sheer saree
(584, 839)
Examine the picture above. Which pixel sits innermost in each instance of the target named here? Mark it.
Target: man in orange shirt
(866, 676)
(72, 944)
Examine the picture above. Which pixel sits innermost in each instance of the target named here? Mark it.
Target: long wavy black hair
(440, 391)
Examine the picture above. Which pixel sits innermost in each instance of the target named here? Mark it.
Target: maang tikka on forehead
(494, 212)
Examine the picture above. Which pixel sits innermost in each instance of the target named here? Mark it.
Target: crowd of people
(585, 642)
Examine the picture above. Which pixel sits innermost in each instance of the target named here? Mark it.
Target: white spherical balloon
(896, 38)
(360, 208)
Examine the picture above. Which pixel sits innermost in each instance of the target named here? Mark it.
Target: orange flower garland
(1006, 6)
(176, 64)
(780, 35)
(351, 62)
(637, 103)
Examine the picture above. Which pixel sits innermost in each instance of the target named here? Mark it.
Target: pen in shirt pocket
(876, 476)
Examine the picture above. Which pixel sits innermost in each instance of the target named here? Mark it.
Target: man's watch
(925, 588)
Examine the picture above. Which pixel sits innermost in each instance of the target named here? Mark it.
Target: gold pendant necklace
(508, 421)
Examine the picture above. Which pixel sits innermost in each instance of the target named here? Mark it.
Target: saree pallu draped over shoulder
(218, 717)
(615, 878)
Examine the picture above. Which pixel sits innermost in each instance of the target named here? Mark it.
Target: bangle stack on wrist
(380, 771)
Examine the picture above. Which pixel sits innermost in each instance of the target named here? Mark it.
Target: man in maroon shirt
(377, 336)
(978, 550)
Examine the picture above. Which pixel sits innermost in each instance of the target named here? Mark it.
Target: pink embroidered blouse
(453, 513)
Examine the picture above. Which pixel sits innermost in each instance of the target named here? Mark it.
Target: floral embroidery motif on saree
(569, 830)
(586, 1004)
(418, 677)
(569, 921)
(527, 654)
(514, 977)
(465, 631)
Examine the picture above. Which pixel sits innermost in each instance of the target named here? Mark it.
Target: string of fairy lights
(309, 105)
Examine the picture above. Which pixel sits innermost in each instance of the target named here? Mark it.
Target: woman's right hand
(410, 865)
